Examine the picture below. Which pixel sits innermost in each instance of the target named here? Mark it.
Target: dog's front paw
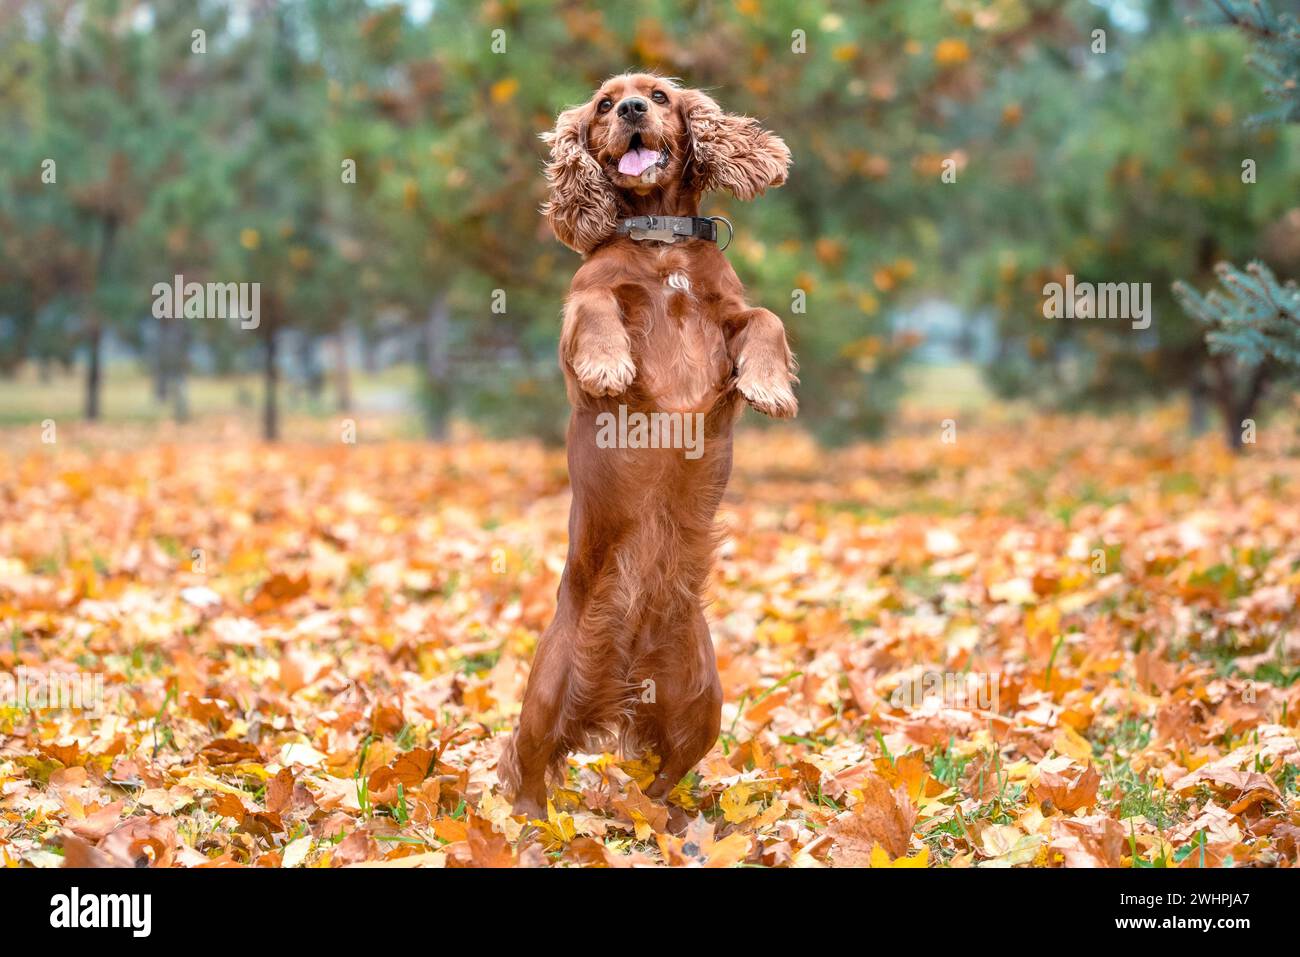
(765, 381)
(604, 369)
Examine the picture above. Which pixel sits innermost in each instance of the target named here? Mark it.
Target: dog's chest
(679, 348)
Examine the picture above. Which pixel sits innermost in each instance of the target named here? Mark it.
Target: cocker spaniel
(659, 348)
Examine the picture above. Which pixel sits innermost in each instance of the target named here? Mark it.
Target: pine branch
(1253, 318)
(1277, 51)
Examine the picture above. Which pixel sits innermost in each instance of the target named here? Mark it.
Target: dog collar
(669, 229)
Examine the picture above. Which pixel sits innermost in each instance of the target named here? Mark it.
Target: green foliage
(1254, 318)
(1126, 167)
(227, 165)
(517, 398)
(1277, 51)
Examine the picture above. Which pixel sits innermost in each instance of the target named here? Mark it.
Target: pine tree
(1277, 51)
(1255, 317)
(1253, 323)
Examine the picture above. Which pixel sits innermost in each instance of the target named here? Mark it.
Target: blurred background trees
(1253, 326)
(376, 168)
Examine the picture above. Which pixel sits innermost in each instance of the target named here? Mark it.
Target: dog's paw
(604, 369)
(528, 808)
(764, 381)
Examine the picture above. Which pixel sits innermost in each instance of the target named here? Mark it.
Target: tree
(1252, 326)
(1122, 161)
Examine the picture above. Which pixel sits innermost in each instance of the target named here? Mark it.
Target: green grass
(127, 395)
(957, 386)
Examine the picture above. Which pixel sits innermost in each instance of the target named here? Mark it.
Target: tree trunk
(437, 367)
(313, 376)
(342, 373)
(1250, 399)
(1232, 430)
(369, 355)
(94, 374)
(1234, 405)
(270, 376)
(179, 377)
(162, 361)
(1198, 401)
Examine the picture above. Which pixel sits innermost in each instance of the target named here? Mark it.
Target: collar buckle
(670, 229)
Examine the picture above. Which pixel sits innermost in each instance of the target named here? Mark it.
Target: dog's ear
(582, 208)
(730, 152)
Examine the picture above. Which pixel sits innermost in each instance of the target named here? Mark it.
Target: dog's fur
(656, 327)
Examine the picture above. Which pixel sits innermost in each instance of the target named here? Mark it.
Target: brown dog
(650, 326)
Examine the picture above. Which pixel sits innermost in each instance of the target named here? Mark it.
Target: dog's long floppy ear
(730, 152)
(582, 209)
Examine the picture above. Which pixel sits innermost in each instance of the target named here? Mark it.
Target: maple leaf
(644, 815)
(1096, 841)
(735, 803)
(1068, 790)
(883, 816)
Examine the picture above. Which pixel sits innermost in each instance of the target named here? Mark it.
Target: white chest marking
(678, 281)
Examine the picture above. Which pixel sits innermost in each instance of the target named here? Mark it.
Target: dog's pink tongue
(637, 161)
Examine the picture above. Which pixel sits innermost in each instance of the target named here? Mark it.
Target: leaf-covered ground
(1055, 642)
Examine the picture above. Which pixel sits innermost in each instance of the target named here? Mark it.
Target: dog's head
(641, 133)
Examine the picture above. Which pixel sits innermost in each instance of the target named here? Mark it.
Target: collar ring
(731, 230)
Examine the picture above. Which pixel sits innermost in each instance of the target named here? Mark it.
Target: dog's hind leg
(538, 742)
(687, 709)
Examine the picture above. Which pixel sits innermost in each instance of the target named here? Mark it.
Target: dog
(655, 322)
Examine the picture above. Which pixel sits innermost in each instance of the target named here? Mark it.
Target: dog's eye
(659, 96)
(605, 105)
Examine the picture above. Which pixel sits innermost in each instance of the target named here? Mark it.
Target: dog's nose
(632, 108)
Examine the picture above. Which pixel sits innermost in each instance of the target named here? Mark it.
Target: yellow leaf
(203, 782)
(504, 90)
(1042, 620)
(770, 816)
(735, 804)
(1070, 742)
(880, 858)
(641, 770)
(731, 850)
(558, 829)
(951, 52)
(998, 839)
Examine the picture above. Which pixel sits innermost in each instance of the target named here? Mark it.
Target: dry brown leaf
(884, 816)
